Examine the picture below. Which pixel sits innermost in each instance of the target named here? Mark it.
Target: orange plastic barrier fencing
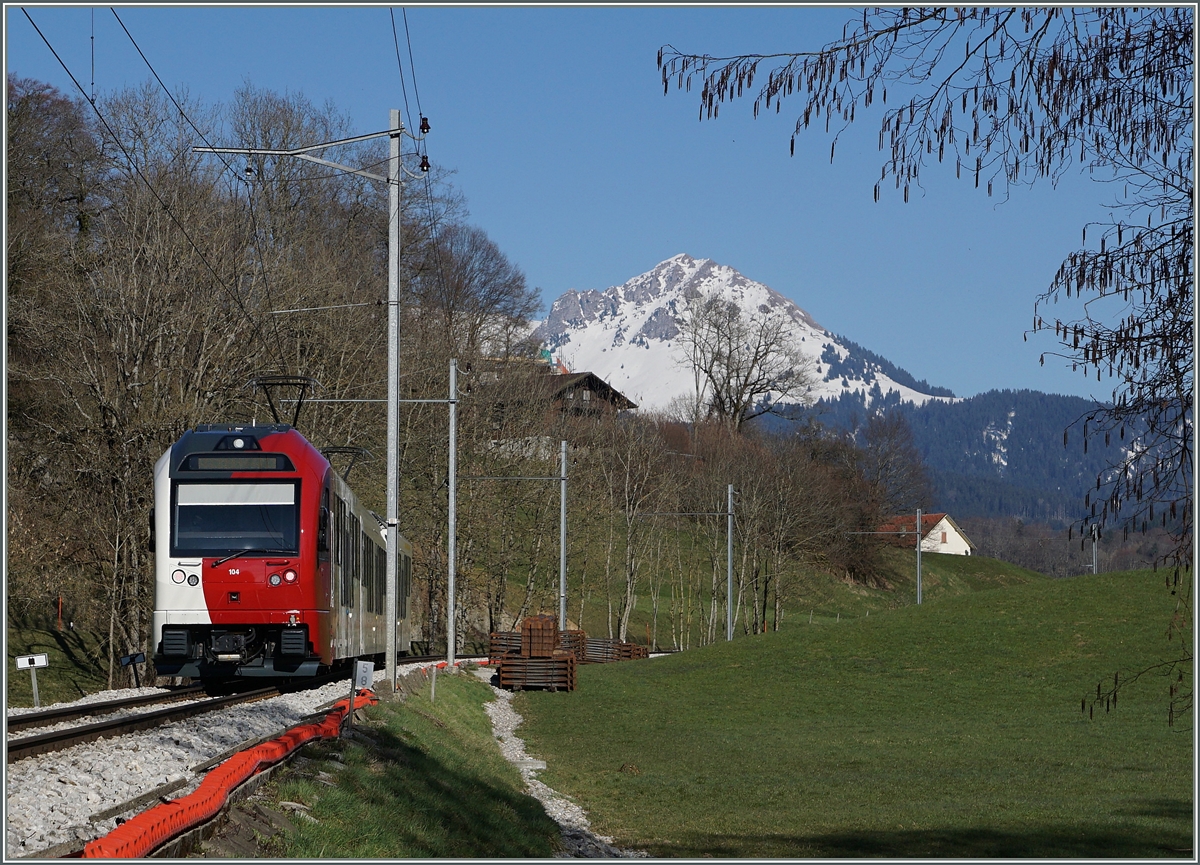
(140, 835)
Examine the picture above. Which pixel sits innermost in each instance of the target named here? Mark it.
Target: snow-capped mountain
(629, 336)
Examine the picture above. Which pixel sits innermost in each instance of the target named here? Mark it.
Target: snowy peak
(627, 335)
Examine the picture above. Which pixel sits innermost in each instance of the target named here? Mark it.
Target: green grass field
(950, 729)
(432, 784)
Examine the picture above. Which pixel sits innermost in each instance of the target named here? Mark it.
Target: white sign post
(364, 677)
(31, 663)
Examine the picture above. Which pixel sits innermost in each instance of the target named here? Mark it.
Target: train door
(345, 584)
(354, 585)
(323, 580)
(403, 587)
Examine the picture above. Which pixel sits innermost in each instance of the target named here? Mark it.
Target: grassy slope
(951, 729)
(823, 596)
(434, 785)
(75, 670)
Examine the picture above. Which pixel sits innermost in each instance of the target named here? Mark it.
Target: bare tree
(469, 291)
(893, 465)
(744, 365)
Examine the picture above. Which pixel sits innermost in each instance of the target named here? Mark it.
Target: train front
(242, 585)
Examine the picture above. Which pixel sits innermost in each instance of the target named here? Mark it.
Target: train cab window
(215, 518)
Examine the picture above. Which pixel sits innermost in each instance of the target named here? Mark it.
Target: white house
(939, 534)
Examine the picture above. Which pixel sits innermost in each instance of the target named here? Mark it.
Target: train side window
(355, 564)
(323, 523)
(381, 578)
(346, 556)
(376, 579)
(365, 576)
(404, 581)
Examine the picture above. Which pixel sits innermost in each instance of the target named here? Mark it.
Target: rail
(81, 710)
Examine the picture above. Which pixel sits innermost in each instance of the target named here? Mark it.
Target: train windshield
(215, 519)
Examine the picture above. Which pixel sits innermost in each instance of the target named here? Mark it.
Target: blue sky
(572, 159)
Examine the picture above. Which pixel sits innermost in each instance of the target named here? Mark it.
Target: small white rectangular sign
(364, 675)
(26, 662)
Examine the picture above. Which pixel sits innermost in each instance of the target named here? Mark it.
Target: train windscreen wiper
(251, 550)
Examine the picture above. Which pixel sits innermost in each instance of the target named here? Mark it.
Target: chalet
(585, 392)
(572, 392)
(939, 534)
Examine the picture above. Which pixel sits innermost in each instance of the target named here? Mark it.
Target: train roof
(220, 449)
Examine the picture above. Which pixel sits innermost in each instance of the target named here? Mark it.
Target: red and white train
(265, 562)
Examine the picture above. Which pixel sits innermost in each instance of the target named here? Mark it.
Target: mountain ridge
(627, 335)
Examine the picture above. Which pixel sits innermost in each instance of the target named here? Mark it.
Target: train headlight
(274, 579)
(291, 576)
(178, 576)
(193, 580)
(239, 443)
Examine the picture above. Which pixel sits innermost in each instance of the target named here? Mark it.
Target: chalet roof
(561, 383)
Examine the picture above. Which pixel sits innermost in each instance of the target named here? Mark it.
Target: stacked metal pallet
(633, 652)
(601, 650)
(574, 642)
(556, 673)
(539, 636)
(504, 643)
(533, 657)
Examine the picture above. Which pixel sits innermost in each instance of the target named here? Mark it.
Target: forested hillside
(1004, 453)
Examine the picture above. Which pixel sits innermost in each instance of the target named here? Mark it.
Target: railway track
(58, 740)
(82, 710)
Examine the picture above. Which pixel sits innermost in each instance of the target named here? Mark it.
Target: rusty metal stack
(541, 656)
(504, 643)
(539, 636)
(602, 650)
(574, 642)
(556, 673)
(633, 652)
(532, 657)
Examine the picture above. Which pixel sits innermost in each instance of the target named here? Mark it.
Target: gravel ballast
(51, 797)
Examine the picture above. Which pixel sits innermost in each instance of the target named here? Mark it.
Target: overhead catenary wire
(423, 148)
(149, 186)
(254, 232)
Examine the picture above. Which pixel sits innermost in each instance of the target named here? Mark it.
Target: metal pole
(562, 542)
(918, 555)
(729, 568)
(393, 389)
(33, 678)
(452, 518)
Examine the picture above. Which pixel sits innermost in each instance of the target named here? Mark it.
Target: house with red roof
(939, 534)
